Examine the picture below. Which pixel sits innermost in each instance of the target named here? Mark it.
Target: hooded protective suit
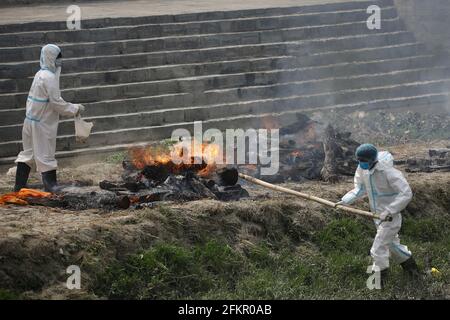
(44, 106)
(388, 192)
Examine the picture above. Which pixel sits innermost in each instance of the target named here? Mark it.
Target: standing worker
(389, 193)
(44, 106)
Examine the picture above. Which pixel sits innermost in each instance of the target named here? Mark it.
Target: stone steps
(189, 17)
(158, 30)
(142, 77)
(149, 133)
(139, 60)
(428, 92)
(9, 117)
(148, 87)
(129, 46)
(177, 71)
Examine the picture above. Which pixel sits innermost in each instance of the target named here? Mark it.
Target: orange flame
(157, 155)
(19, 198)
(142, 157)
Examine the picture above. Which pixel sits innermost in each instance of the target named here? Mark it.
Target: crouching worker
(44, 106)
(389, 193)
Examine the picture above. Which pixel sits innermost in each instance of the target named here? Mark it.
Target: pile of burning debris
(140, 188)
(166, 181)
(150, 175)
(308, 150)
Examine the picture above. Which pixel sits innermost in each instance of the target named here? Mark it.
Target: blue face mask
(364, 165)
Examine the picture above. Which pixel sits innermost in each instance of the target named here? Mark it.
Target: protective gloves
(81, 109)
(385, 216)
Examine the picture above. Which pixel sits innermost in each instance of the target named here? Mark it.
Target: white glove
(385, 216)
(81, 109)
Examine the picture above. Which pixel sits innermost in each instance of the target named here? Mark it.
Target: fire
(192, 153)
(20, 197)
(142, 157)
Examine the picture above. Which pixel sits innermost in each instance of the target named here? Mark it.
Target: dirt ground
(37, 244)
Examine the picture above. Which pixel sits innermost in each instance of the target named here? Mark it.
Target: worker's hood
(49, 53)
(385, 160)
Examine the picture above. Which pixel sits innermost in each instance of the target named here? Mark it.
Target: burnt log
(114, 186)
(84, 201)
(228, 176)
(441, 153)
(200, 188)
(52, 202)
(94, 200)
(339, 152)
(157, 173)
(231, 193)
(152, 196)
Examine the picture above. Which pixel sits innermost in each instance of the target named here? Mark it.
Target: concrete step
(163, 72)
(189, 17)
(174, 115)
(143, 31)
(157, 102)
(166, 72)
(299, 48)
(300, 103)
(290, 87)
(201, 41)
(287, 88)
(428, 92)
(135, 89)
(15, 116)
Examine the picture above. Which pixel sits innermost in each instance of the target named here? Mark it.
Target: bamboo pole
(310, 197)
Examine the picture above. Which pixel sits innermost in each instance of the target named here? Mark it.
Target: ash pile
(310, 150)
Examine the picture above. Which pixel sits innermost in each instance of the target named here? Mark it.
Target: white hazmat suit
(44, 106)
(389, 193)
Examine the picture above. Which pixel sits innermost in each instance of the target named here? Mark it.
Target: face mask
(58, 63)
(364, 165)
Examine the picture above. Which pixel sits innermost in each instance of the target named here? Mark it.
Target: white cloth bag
(82, 129)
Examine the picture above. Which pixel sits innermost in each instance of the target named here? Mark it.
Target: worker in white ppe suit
(43, 108)
(388, 193)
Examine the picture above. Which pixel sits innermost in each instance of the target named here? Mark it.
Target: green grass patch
(426, 229)
(332, 267)
(345, 235)
(6, 294)
(169, 271)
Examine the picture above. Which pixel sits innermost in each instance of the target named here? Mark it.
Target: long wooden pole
(309, 197)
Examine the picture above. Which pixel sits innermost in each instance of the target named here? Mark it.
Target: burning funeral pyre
(150, 175)
(308, 150)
